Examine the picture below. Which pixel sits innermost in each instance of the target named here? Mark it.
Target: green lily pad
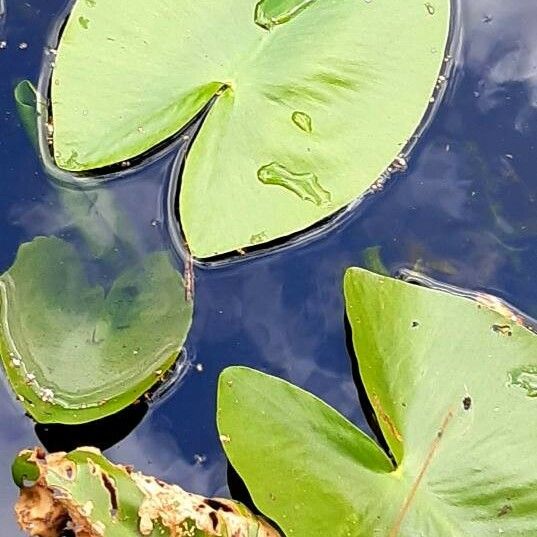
(27, 100)
(98, 498)
(452, 383)
(311, 101)
(74, 352)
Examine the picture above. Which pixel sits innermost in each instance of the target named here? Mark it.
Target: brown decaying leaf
(45, 511)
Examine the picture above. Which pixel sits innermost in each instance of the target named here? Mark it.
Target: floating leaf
(83, 492)
(455, 401)
(75, 352)
(326, 92)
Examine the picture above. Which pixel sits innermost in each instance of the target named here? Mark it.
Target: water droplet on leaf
(84, 22)
(304, 185)
(526, 378)
(270, 13)
(72, 162)
(258, 238)
(430, 8)
(302, 121)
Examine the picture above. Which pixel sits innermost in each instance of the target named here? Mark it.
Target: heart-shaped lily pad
(312, 101)
(453, 387)
(75, 352)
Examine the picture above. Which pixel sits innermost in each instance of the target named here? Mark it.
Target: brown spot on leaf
(218, 505)
(39, 513)
(385, 418)
(505, 510)
(214, 520)
(502, 329)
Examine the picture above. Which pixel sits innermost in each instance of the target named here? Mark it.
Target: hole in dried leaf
(110, 486)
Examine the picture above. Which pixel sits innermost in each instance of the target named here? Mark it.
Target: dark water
(464, 213)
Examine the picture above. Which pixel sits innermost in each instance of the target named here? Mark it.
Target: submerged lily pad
(311, 101)
(75, 352)
(452, 383)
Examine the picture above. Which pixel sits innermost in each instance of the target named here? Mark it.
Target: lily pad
(452, 383)
(311, 101)
(87, 494)
(75, 352)
(27, 100)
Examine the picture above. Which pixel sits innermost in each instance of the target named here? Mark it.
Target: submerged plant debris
(82, 492)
